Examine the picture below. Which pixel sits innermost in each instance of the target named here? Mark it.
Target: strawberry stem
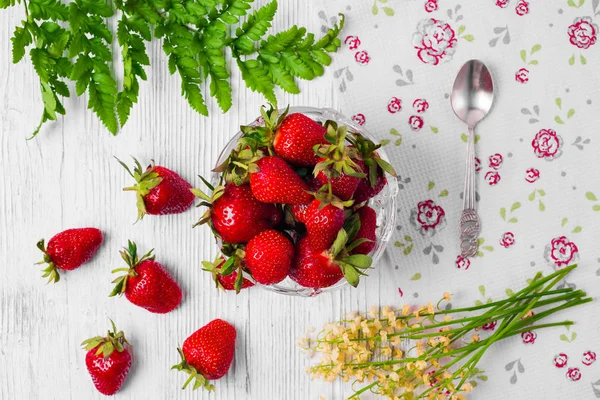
(130, 257)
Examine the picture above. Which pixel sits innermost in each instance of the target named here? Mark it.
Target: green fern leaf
(20, 40)
(254, 28)
(257, 79)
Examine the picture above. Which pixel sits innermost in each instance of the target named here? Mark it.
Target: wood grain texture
(67, 177)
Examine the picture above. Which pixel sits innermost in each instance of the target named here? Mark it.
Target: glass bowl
(384, 203)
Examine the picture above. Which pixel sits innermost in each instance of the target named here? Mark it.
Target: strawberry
(224, 277)
(373, 166)
(320, 269)
(274, 181)
(108, 360)
(339, 164)
(207, 353)
(235, 214)
(147, 283)
(159, 190)
(299, 211)
(368, 225)
(68, 250)
(323, 222)
(295, 139)
(269, 256)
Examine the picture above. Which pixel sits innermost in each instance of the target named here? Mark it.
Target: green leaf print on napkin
(387, 10)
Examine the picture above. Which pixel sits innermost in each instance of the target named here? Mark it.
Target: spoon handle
(470, 225)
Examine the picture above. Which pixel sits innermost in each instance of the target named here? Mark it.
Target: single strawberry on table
(296, 137)
(108, 360)
(235, 214)
(268, 257)
(207, 354)
(68, 250)
(159, 190)
(226, 274)
(147, 283)
(272, 180)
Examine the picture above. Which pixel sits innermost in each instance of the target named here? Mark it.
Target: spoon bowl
(472, 93)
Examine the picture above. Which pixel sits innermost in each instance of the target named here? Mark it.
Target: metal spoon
(472, 98)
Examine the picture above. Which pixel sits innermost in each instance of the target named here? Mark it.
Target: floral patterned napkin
(538, 165)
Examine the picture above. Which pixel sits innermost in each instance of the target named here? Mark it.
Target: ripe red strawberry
(108, 360)
(269, 257)
(207, 353)
(365, 190)
(322, 224)
(320, 269)
(342, 185)
(299, 211)
(159, 190)
(368, 225)
(275, 181)
(374, 168)
(226, 282)
(295, 139)
(236, 215)
(147, 283)
(68, 250)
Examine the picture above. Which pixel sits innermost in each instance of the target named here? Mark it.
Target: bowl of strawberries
(302, 201)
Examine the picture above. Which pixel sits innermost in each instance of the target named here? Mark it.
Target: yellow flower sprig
(425, 352)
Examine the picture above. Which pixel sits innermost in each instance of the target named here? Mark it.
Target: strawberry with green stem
(296, 137)
(68, 250)
(207, 354)
(228, 274)
(339, 163)
(159, 191)
(147, 283)
(273, 180)
(323, 218)
(108, 360)
(362, 225)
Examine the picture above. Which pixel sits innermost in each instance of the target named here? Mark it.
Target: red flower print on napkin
(477, 164)
(547, 144)
(462, 262)
(507, 240)
(492, 177)
(420, 105)
(362, 57)
(431, 5)
(560, 361)
(589, 357)
(574, 374)
(583, 33)
(522, 8)
(352, 42)
(427, 217)
(489, 326)
(561, 252)
(522, 75)
(415, 122)
(394, 105)
(359, 119)
(529, 337)
(502, 3)
(496, 161)
(434, 40)
(532, 175)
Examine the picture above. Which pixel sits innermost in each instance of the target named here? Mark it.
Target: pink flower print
(431, 5)
(352, 42)
(547, 144)
(502, 3)
(529, 337)
(574, 374)
(359, 119)
(362, 57)
(522, 8)
(492, 177)
(522, 75)
(428, 217)
(507, 240)
(394, 105)
(589, 357)
(462, 262)
(434, 41)
(477, 164)
(489, 326)
(415, 122)
(420, 105)
(496, 161)
(583, 32)
(532, 175)
(560, 361)
(561, 252)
